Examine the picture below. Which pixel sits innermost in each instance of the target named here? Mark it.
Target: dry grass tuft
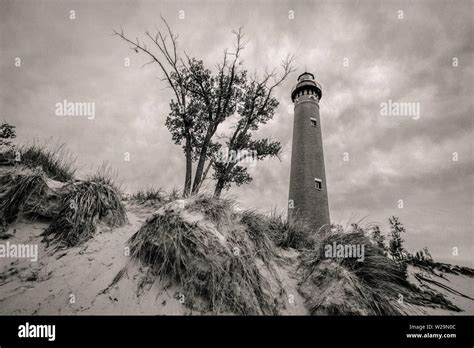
(345, 286)
(55, 160)
(215, 209)
(15, 189)
(174, 194)
(150, 194)
(83, 205)
(296, 234)
(223, 267)
(259, 230)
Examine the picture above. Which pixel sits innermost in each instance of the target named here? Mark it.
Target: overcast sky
(390, 55)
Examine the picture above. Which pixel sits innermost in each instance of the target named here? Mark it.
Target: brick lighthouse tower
(308, 197)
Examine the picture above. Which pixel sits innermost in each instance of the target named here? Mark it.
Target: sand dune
(74, 281)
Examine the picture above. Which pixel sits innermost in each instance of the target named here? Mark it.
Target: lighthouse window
(314, 122)
(318, 184)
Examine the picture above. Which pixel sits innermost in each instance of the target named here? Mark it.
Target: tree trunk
(189, 163)
(205, 174)
(202, 161)
(219, 188)
(222, 180)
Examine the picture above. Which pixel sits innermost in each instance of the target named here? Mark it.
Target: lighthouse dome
(306, 82)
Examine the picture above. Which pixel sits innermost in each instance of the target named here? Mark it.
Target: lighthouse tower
(308, 197)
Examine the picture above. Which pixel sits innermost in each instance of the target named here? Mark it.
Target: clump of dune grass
(55, 160)
(84, 204)
(174, 194)
(15, 190)
(215, 209)
(106, 175)
(218, 266)
(258, 228)
(7, 155)
(348, 286)
(296, 233)
(150, 194)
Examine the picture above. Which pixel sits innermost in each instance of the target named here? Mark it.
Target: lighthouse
(308, 198)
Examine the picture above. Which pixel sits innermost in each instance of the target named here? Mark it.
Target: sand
(76, 281)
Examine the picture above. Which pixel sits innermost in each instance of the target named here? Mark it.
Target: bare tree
(171, 66)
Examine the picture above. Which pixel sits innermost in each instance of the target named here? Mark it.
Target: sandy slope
(83, 272)
(462, 284)
(46, 286)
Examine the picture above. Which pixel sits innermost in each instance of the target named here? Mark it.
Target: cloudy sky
(364, 53)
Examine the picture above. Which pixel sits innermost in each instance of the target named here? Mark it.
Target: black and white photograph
(236, 162)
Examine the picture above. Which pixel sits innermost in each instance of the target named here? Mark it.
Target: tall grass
(259, 230)
(105, 175)
(15, 190)
(215, 209)
(219, 266)
(55, 160)
(295, 234)
(174, 194)
(83, 205)
(7, 156)
(369, 287)
(150, 194)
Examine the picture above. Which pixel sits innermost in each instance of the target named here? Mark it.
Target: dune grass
(219, 266)
(15, 189)
(215, 209)
(375, 286)
(295, 234)
(7, 156)
(105, 175)
(174, 194)
(55, 160)
(84, 204)
(260, 231)
(150, 194)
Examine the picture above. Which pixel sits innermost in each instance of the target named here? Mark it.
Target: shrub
(7, 156)
(7, 132)
(396, 248)
(377, 236)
